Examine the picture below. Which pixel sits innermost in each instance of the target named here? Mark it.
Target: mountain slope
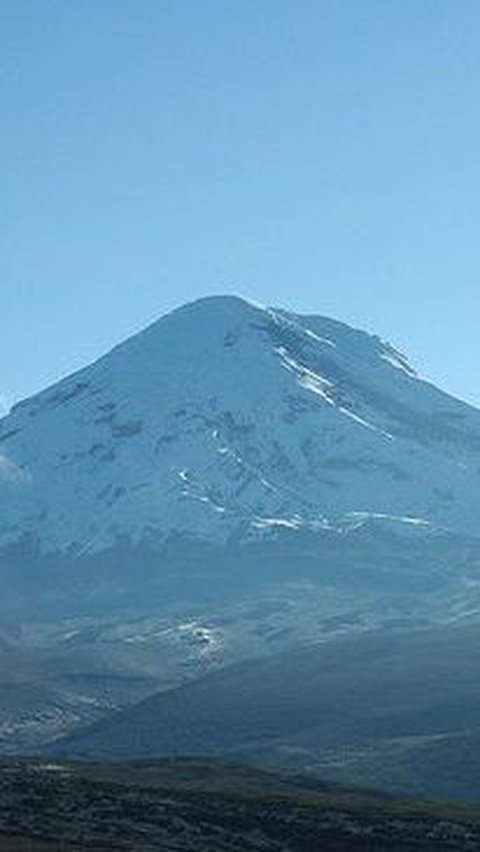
(397, 712)
(225, 419)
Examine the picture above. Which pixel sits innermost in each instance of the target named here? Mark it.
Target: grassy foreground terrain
(210, 806)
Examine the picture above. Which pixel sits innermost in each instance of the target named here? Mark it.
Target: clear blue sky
(321, 154)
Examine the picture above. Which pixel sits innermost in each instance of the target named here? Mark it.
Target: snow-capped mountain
(228, 419)
(231, 482)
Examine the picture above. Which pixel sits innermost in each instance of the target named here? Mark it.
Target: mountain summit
(228, 419)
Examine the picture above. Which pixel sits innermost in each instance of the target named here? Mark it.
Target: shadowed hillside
(395, 712)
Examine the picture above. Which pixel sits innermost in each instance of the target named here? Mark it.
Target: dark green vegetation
(210, 806)
(398, 712)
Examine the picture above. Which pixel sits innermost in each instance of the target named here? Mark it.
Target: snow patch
(12, 472)
(306, 378)
(382, 516)
(210, 639)
(397, 360)
(309, 333)
(365, 422)
(290, 523)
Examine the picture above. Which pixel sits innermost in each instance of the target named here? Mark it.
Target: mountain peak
(215, 307)
(220, 301)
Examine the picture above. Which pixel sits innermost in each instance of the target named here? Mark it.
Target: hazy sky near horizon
(318, 154)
